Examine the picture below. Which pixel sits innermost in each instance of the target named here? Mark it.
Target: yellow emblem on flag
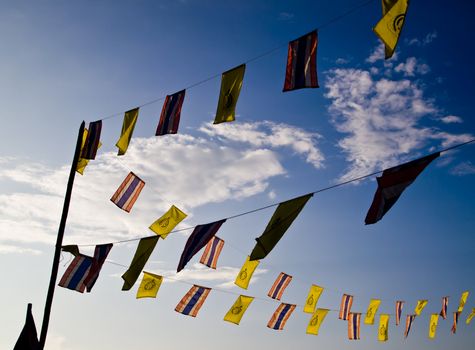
(469, 318)
(421, 304)
(238, 309)
(434, 319)
(130, 118)
(389, 27)
(231, 83)
(312, 298)
(316, 321)
(149, 286)
(82, 163)
(244, 276)
(463, 301)
(372, 310)
(383, 327)
(167, 222)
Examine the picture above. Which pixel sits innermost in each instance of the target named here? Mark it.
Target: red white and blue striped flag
(345, 306)
(456, 319)
(280, 316)
(91, 144)
(100, 255)
(279, 286)
(211, 254)
(301, 70)
(191, 303)
(399, 305)
(170, 116)
(445, 304)
(128, 192)
(74, 276)
(354, 322)
(409, 320)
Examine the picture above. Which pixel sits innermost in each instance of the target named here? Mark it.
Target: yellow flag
(434, 319)
(312, 298)
(316, 321)
(130, 118)
(383, 327)
(244, 276)
(149, 286)
(421, 304)
(167, 222)
(238, 309)
(469, 318)
(372, 310)
(231, 83)
(390, 26)
(82, 163)
(463, 300)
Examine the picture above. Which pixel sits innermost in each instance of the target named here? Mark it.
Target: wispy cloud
(465, 168)
(451, 119)
(412, 67)
(429, 38)
(285, 16)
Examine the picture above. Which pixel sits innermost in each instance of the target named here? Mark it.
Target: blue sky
(63, 63)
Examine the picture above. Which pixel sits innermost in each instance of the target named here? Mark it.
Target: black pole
(59, 240)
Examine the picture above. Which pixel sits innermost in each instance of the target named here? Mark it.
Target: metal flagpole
(59, 239)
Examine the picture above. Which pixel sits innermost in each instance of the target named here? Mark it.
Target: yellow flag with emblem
(244, 276)
(421, 304)
(463, 301)
(316, 321)
(434, 319)
(312, 298)
(231, 83)
(372, 310)
(149, 286)
(469, 318)
(82, 162)
(167, 222)
(383, 327)
(238, 309)
(130, 118)
(390, 26)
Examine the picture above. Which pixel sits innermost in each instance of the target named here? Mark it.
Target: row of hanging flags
(300, 72)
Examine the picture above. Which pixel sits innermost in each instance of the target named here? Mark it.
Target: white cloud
(411, 67)
(378, 55)
(10, 249)
(285, 16)
(342, 61)
(464, 168)
(451, 119)
(429, 38)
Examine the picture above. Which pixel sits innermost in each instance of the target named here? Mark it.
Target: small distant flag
(28, 339)
(91, 143)
(456, 320)
(354, 322)
(200, 236)
(130, 119)
(345, 306)
(383, 327)
(231, 83)
(472, 315)
(392, 184)
(421, 304)
(77, 271)
(279, 286)
(212, 250)
(445, 303)
(100, 255)
(236, 312)
(316, 321)
(372, 310)
(434, 319)
(301, 69)
(399, 305)
(312, 298)
(128, 192)
(409, 320)
(168, 221)
(191, 303)
(149, 286)
(247, 270)
(463, 301)
(170, 116)
(280, 316)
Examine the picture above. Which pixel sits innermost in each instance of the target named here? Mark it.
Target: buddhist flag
(445, 303)
(281, 220)
(409, 320)
(399, 305)
(231, 83)
(77, 271)
(463, 301)
(244, 276)
(383, 327)
(101, 252)
(280, 316)
(192, 302)
(390, 26)
(200, 236)
(130, 118)
(170, 116)
(91, 144)
(143, 252)
(392, 184)
(312, 298)
(434, 319)
(345, 306)
(456, 320)
(82, 163)
(128, 192)
(149, 286)
(212, 250)
(28, 339)
(316, 321)
(472, 315)
(238, 309)
(167, 222)
(301, 69)
(421, 304)
(354, 323)
(372, 310)
(279, 286)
